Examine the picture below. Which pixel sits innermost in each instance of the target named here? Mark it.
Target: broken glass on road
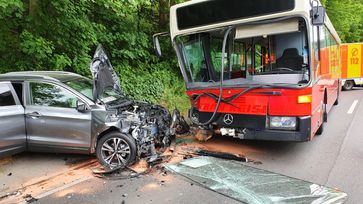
(252, 185)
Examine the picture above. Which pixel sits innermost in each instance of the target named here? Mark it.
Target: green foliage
(62, 35)
(175, 97)
(11, 8)
(347, 18)
(36, 48)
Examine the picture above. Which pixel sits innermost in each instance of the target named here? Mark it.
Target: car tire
(106, 152)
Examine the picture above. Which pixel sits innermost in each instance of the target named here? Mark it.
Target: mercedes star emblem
(228, 119)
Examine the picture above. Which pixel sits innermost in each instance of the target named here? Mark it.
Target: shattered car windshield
(250, 58)
(83, 86)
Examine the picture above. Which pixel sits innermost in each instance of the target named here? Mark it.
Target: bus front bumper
(253, 127)
(301, 135)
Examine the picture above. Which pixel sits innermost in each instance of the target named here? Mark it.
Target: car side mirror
(81, 106)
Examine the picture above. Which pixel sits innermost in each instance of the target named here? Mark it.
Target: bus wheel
(348, 85)
(337, 101)
(320, 130)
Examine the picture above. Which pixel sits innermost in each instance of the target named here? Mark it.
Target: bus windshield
(250, 57)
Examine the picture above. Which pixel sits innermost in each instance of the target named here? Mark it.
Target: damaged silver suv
(67, 113)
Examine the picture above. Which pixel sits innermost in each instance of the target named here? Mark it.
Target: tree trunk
(163, 12)
(32, 7)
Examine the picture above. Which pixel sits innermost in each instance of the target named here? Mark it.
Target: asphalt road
(334, 159)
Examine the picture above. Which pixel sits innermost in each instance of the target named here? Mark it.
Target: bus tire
(320, 130)
(325, 117)
(337, 101)
(348, 85)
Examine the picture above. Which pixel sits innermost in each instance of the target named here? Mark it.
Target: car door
(12, 122)
(53, 123)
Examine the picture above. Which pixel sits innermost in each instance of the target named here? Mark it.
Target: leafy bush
(62, 35)
(158, 84)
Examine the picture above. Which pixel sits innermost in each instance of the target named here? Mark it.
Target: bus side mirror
(157, 47)
(156, 42)
(318, 15)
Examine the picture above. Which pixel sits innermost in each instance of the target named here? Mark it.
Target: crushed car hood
(148, 128)
(104, 75)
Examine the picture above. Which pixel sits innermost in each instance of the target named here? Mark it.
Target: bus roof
(301, 8)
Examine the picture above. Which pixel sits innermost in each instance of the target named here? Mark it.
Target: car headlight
(283, 123)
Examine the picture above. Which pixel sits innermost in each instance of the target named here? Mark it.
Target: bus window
(216, 56)
(262, 57)
(324, 50)
(259, 59)
(194, 60)
(238, 60)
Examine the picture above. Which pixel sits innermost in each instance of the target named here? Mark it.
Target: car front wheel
(116, 150)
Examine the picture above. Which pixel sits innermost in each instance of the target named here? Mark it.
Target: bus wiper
(270, 93)
(283, 85)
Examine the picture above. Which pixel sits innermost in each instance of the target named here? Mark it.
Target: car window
(83, 86)
(43, 94)
(6, 97)
(18, 87)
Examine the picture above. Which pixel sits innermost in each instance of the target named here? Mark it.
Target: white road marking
(352, 107)
(55, 190)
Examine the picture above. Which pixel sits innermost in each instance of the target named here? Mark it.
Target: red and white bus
(258, 69)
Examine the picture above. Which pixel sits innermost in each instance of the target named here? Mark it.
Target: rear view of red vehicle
(265, 70)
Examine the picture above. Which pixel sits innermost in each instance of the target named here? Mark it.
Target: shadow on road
(248, 148)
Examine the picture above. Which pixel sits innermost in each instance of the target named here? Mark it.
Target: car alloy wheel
(116, 150)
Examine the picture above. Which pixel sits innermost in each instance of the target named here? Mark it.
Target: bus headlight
(283, 123)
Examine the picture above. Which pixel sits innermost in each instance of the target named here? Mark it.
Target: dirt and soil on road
(29, 176)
